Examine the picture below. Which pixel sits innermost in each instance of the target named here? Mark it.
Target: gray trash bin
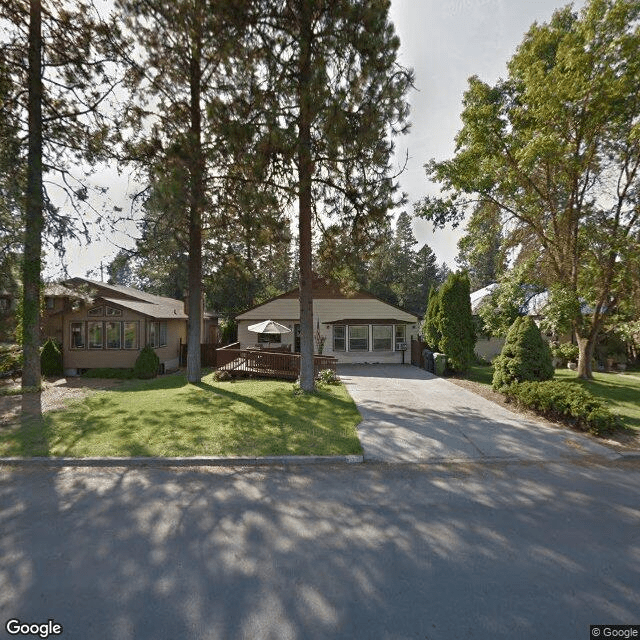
(429, 362)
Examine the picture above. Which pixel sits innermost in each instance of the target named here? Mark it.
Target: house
(354, 327)
(114, 323)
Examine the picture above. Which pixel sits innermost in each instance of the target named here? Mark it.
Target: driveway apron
(410, 415)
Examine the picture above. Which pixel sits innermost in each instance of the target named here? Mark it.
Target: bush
(51, 359)
(117, 374)
(147, 364)
(10, 359)
(524, 357)
(564, 401)
(327, 376)
(430, 328)
(221, 376)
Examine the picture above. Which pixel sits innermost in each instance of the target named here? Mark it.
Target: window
(96, 338)
(339, 338)
(401, 335)
(130, 335)
(114, 335)
(5, 304)
(359, 338)
(158, 334)
(95, 312)
(110, 311)
(269, 337)
(77, 335)
(49, 302)
(382, 337)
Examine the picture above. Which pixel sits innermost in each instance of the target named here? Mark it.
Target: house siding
(86, 358)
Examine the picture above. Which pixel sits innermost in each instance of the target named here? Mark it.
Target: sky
(445, 42)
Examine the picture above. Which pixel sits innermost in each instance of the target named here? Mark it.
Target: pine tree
(330, 91)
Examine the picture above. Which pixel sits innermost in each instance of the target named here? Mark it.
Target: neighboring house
(353, 327)
(489, 347)
(116, 324)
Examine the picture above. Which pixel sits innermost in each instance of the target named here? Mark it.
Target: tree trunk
(34, 219)
(305, 173)
(586, 346)
(196, 198)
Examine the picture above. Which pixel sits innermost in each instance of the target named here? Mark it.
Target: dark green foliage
(564, 401)
(455, 322)
(430, 329)
(327, 376)
(51, 359)
(115, 374)
(10, 359)
(566, 351)
(147, 364)
(525, 355)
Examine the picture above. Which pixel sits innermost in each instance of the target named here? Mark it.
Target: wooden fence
(207, 355)
(416, 353)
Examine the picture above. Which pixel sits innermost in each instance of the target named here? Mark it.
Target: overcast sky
(445, 42)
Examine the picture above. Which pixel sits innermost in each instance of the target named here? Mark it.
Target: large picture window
(359, 338)
(130, 335)
(77, 335)
(382, 337)
(401, 334)
(339, 338)
(96, 335)
(114, 335)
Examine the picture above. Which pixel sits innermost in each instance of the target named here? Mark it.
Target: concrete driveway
(410, 415)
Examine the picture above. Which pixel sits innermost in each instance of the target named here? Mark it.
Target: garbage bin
(427, 357)
(440, 363)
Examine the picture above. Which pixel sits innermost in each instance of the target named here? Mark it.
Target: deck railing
(272, 364)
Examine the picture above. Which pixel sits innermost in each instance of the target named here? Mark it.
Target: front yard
(169, 417)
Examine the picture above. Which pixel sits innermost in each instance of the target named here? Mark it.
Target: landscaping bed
(169, 417)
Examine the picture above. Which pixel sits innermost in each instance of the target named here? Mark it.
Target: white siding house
(354, 327)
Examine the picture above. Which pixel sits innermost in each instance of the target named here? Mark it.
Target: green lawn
(621, 392)
(169, 417)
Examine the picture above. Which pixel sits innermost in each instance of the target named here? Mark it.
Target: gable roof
(324, 289)
(158, 307)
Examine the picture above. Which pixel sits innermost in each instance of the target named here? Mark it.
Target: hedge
(564, 401)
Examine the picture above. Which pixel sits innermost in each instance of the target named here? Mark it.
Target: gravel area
(55, 394)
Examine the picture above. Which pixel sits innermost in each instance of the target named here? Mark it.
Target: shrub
(564, 401)
(10, 359)
(455, 322)
(147, 364)
(221, 376)
(327, 376)
(524, 357)
(51, 359)
(430, 328)
(117, 374)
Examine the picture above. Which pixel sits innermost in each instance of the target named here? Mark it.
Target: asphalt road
(437, 552)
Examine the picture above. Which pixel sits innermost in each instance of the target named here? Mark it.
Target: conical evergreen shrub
(525, 355)
(147, 364)
(51, 359)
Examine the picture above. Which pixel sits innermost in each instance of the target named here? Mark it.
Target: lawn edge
(199, 461)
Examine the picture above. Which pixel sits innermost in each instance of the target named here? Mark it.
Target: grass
(169, 417)
(621, 392)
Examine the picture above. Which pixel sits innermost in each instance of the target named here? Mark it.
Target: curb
(199, 461)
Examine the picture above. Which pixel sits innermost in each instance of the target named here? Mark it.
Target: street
(502, 550)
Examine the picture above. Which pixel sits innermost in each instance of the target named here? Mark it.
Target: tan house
(354, 327)
(117, 322)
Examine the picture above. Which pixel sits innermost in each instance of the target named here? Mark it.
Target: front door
(296, 337)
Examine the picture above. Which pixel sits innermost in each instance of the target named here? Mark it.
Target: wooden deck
(267, 364)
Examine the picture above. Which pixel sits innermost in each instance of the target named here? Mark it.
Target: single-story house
(354, 327)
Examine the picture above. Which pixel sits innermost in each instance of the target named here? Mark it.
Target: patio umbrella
(269, 326)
